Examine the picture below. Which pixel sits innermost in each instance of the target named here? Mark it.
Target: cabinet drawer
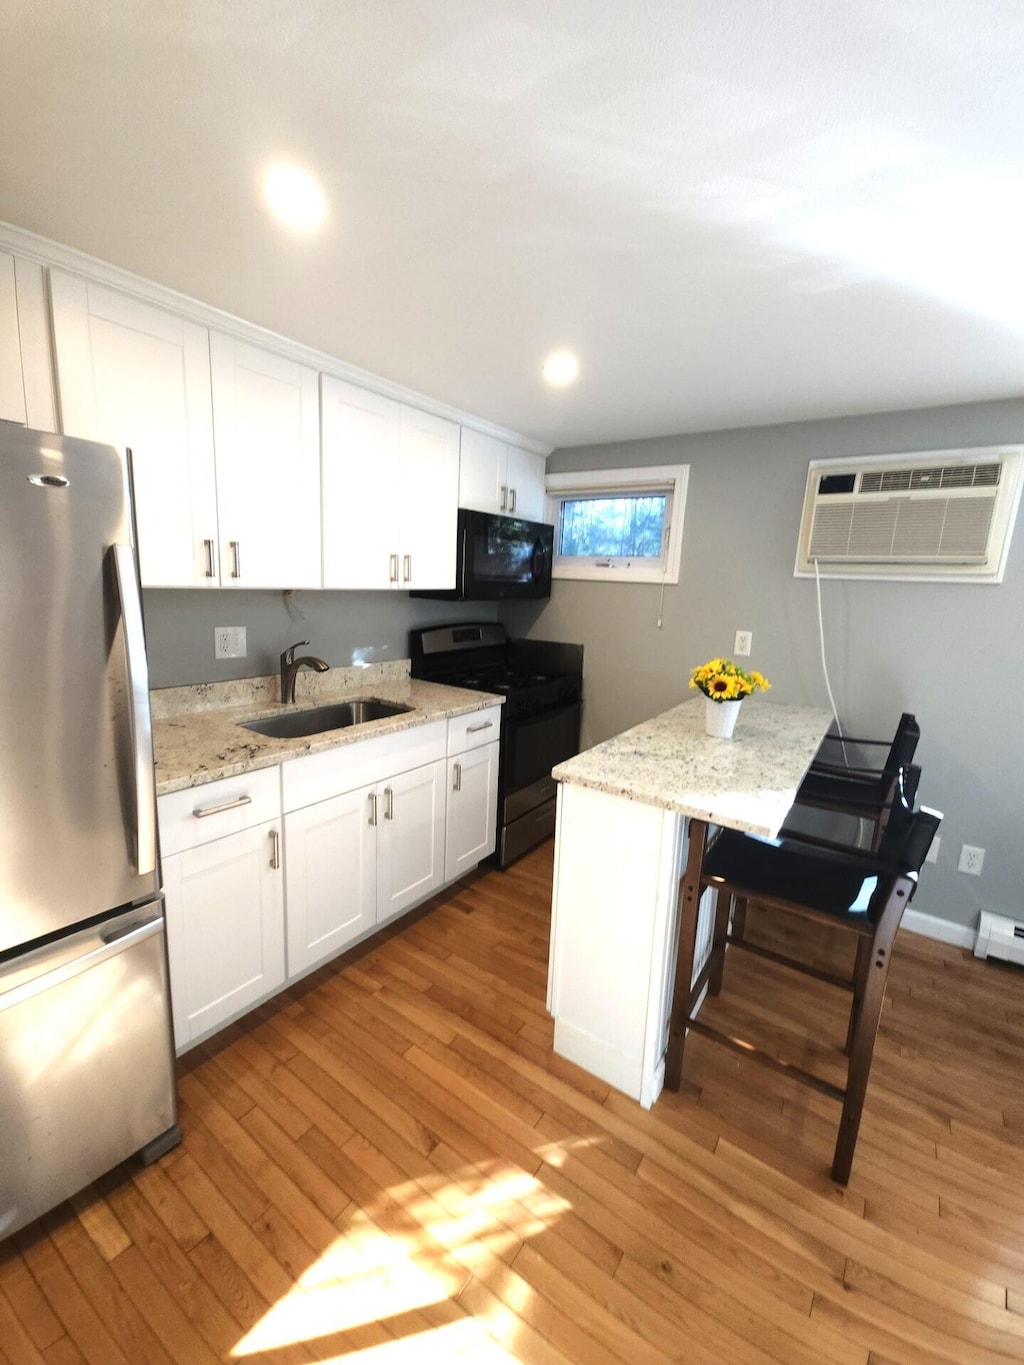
(474, 730)
(318, 777)
(198, 814)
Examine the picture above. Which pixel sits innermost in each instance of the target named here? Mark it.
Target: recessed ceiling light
(294, 197)
(561, 368)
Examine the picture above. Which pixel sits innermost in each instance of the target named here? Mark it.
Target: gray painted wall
(342, 627)
(952, 654)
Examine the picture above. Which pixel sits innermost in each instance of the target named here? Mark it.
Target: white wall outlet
(229, 642)
(744, 639)
(971, 860)
(933, 853)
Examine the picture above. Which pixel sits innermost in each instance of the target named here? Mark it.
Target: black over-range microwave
(499, 558)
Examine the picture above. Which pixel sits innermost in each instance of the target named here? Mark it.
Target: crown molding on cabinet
(48, 253)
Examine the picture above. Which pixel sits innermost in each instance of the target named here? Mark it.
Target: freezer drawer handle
(201, 812)
(141, 725)
(47, 980)
(472, 729)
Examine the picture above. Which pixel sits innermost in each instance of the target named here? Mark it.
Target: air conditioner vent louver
(935, 476)
(949, 514)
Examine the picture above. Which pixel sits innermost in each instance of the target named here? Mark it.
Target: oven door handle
(540, 561)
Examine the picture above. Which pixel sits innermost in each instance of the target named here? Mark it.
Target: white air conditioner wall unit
(944, 515)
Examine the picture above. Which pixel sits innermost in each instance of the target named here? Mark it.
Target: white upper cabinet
(497, 477)
(266, 434)
(138, 377)
(26, 383)
(429, 500)
(390, 491)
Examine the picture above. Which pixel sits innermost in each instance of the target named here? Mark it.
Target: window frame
(604, 483)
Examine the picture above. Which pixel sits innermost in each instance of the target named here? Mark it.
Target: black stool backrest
(908, 833)
(904, 744)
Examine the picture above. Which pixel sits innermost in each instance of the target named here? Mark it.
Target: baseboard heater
(1000, 936)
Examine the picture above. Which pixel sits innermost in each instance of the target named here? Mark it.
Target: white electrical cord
(824, 664)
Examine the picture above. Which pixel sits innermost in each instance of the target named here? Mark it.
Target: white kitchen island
(629, 811)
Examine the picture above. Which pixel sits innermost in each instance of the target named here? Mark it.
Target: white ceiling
(733, 211)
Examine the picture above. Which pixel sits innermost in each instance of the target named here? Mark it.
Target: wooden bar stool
(861, 892)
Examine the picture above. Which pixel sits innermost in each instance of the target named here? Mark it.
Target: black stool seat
(834, 884)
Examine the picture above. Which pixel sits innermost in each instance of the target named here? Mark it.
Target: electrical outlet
(933, 852)
(229, 642)
(744, 639)
(971, 860)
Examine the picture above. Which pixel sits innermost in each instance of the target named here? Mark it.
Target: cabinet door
(410, 844)
(331, 871)
(482, 464)
(525, 472)
(471, 821)
(361, 487)
(267, 441)
(429, 499)
(225, 928)
(137, 377)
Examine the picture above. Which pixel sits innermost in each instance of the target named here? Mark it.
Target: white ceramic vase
(720, 717)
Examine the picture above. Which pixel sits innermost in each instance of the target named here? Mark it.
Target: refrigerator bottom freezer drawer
(86, 1061)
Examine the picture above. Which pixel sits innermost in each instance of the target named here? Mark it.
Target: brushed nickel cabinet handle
(392, 568)
(504, 497)
(472, 729)
(275, 850)
(201, 812)
(457, 778)
(512, 500)
(373, 808)
(236, 557)
(407, 568)
(208, 552)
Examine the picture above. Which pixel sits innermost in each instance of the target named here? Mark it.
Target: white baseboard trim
(945, 930)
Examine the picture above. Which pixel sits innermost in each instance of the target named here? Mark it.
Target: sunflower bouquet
(722, 680)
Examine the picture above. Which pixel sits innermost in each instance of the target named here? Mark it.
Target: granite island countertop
(746, 783)
(198, 736)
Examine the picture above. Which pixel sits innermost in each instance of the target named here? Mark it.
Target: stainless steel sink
(318, 719)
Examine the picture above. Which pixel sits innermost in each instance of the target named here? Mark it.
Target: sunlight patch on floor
(369, 1275)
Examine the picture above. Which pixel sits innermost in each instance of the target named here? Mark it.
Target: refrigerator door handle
(138, 686)
(45, 980)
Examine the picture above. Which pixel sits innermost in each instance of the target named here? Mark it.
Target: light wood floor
(390, 1165)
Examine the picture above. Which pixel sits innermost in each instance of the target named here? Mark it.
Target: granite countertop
(746, 783)
(198, 738)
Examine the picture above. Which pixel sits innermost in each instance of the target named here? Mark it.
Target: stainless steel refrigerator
(86, 1051)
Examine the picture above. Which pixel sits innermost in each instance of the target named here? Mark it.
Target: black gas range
(542, 682)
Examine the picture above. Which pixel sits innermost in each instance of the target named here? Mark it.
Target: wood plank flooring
(389, 1164)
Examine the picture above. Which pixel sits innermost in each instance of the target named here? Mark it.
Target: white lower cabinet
(224, 898)
(470, 826)
(364, 838)
(369, 830)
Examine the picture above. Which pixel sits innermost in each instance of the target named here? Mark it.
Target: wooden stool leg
(739, 919)
(869, 1012)
(861, 967)
(723, 904)
(689, 904)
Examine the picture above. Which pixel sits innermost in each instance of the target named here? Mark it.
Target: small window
(622, 525)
